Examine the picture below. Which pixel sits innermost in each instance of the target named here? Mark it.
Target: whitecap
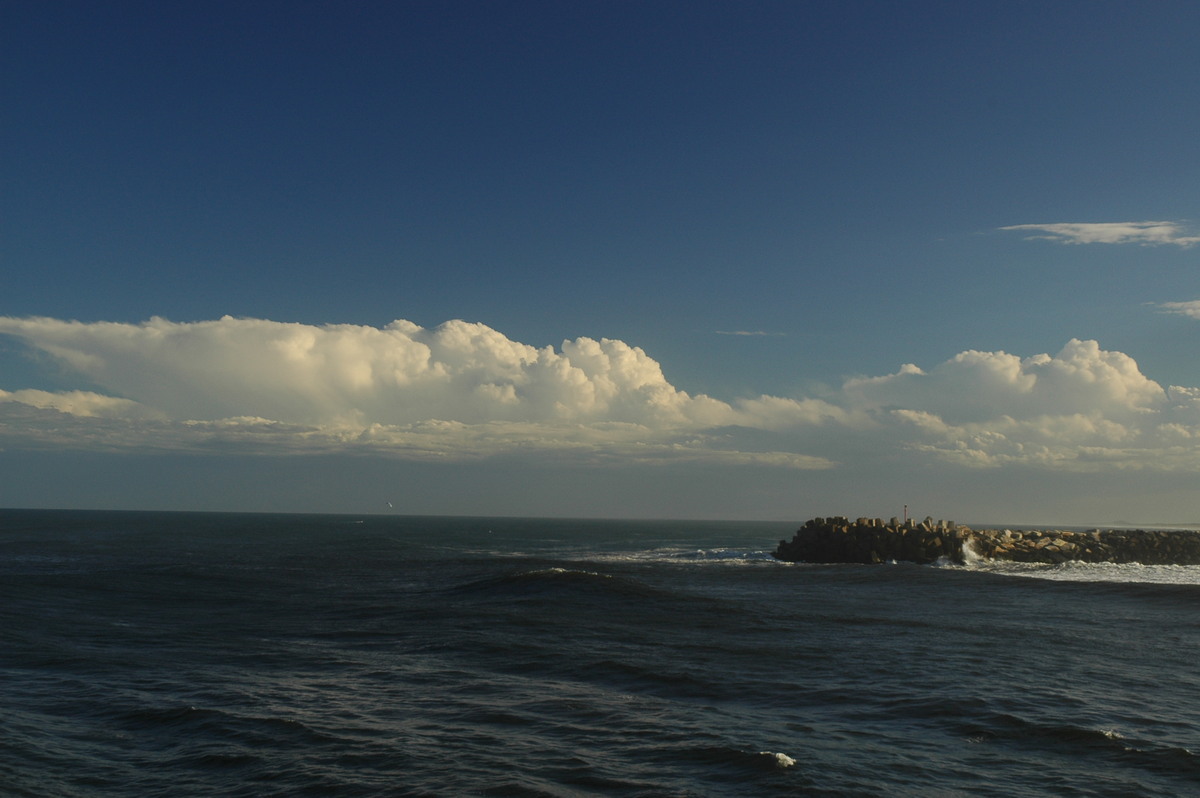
(781, 760)
(1076, 571)
(690, 557)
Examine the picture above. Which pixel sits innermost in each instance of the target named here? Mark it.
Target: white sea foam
(725, 555)
(1074, 571)
(781, 760)
(556, 571)
(969, 554)
(680, 556)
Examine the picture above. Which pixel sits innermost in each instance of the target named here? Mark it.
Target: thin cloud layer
(1190, 308)
(464, 391)
(84, 404)
(1145, 233)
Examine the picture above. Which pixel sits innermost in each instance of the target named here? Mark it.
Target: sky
(752, 260)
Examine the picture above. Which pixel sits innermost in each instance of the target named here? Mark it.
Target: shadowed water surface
(157, 654)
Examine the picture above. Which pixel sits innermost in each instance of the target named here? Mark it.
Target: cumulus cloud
(1083, 409)
(354, 375)
(976, 386)
(464, 391)
(459, 390)
(1145, 233)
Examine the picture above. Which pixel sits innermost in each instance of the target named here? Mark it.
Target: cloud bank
(1145, 233)
(460, 390)
(464, 391)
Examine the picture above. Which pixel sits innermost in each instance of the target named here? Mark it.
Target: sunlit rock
(869, 540)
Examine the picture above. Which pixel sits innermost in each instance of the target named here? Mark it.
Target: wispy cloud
(1144, 233)
(750, 333)
(1190, 308)
(463, 392)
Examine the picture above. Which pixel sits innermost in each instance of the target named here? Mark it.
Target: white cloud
(1145, 233)
(977, 386)
(464, 391)
(1084, 409)
(460, 390)
(355, 375)
(85, 404)
(1190, 308)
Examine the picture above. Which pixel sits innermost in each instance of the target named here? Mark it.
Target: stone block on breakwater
(870, 540)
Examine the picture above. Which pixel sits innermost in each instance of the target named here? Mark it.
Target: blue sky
(762, 259)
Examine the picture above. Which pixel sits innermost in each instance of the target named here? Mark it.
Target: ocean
(180, 654)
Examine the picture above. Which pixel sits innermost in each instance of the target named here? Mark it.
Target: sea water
(168, 654)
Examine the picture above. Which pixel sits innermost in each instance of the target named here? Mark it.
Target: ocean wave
(215, 723)
(735, 556)
(1083, 740)
(272, 662)
(730, 758)
(779, 760)
(556, 581)
(1074, 571)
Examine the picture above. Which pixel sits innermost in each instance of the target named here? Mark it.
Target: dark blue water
(156, 654)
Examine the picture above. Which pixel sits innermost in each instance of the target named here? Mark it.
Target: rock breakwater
(871, 540)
